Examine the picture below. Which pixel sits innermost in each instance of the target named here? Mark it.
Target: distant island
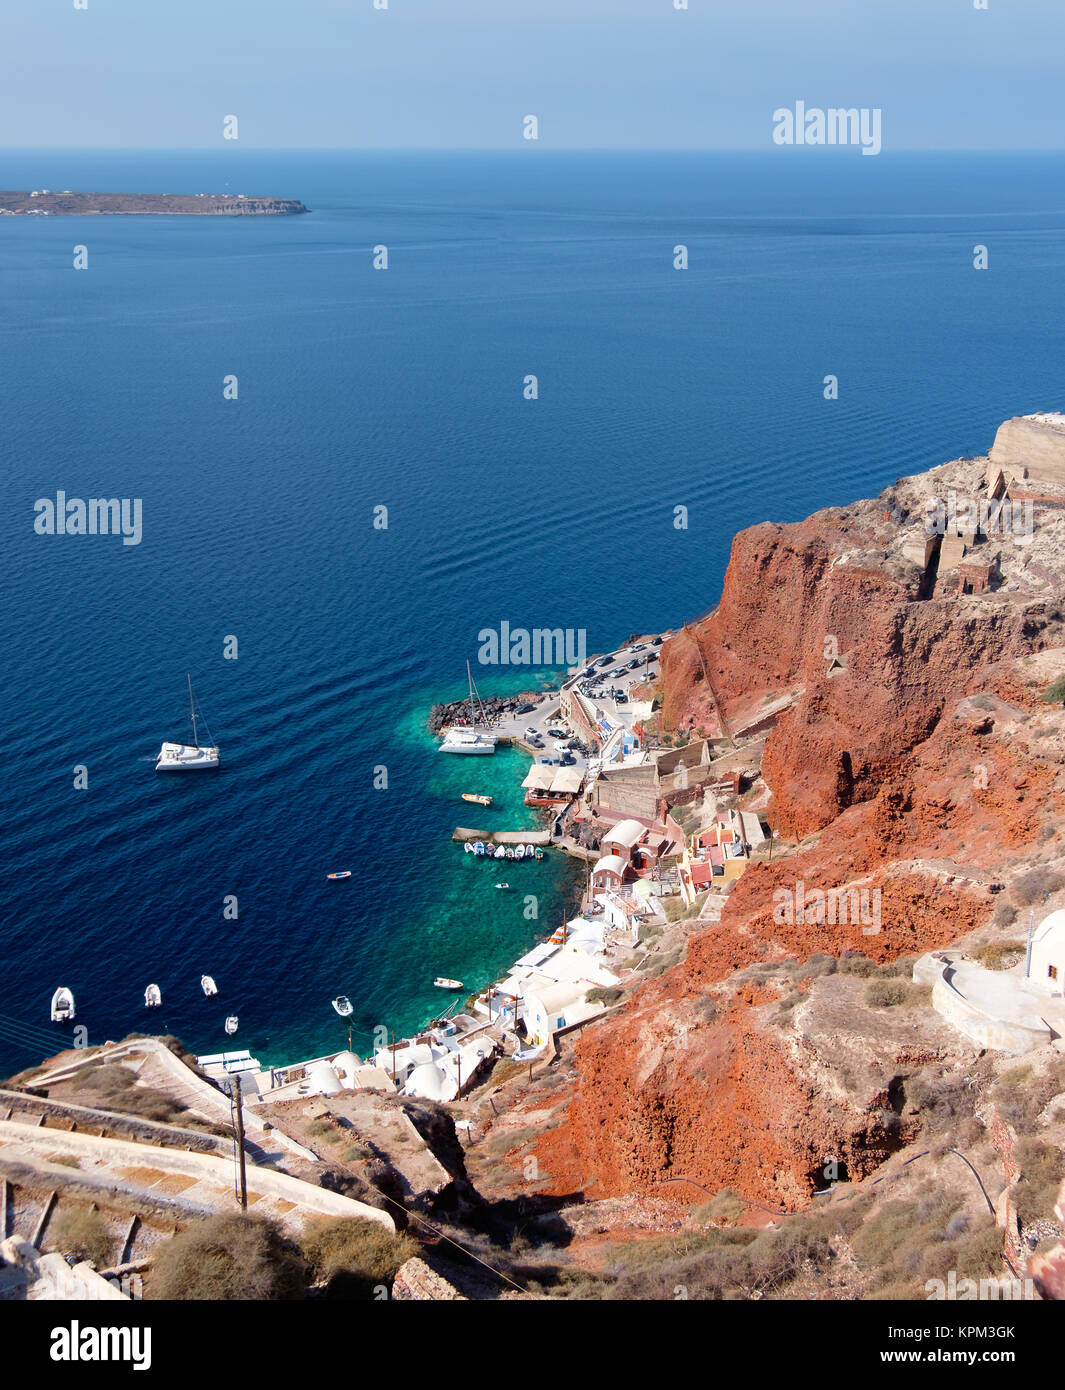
(45, 203)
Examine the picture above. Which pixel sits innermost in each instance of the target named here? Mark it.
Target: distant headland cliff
(45, 203)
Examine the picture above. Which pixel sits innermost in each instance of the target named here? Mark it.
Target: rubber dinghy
(63, 1005)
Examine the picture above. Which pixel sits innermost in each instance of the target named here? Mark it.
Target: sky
(464, 73)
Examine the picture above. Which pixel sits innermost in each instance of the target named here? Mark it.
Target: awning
(539, 778)
(567, 780)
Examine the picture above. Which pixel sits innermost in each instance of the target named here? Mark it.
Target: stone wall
(1032, 444)
(415, 1281)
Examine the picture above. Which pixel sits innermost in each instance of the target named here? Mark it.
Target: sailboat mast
(474, 721)
(192, 711)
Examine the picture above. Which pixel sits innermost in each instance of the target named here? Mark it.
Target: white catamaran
(188, 757)
(472, 738)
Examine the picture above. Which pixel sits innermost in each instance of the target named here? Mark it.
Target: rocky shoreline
(494, 706)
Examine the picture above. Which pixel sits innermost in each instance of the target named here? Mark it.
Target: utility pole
(239, 1120)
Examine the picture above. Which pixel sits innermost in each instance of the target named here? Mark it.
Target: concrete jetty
(504, 837)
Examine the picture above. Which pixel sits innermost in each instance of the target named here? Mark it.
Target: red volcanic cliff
(899, 780)
(794, 597)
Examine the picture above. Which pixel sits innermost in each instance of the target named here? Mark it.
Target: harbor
(610, 796)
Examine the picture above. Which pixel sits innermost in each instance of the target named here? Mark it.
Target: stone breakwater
(494, 706)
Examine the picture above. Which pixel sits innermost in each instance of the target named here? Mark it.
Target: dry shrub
(1042, 1168)
(1036, 884)
(1003, 914)
(1021, 1096)
(851, 964)
(726, 1206)
(231, 1257)
(81, 1232)
(885, 994)
(354, 1255)
(999, 955)
(605, 994)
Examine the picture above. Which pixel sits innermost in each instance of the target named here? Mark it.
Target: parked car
(634, 663)
(556, 733)
(525, 709)
(621, 698)
(530, 732)
(656, 641)
(605, 661)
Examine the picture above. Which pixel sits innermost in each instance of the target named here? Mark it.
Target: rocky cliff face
(917, 759)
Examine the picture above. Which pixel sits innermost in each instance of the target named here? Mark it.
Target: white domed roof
(324, 1079)
(430, 1083)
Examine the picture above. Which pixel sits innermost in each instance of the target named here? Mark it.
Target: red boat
(345, 874)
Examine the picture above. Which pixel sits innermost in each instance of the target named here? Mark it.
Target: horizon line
(516, 148)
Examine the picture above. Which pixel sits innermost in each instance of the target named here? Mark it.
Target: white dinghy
(63, 1005)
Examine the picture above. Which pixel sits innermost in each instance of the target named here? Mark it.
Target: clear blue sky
(462, 73)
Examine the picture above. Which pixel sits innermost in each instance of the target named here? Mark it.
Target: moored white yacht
(188, 757)
(153, 997)
(469, 741)
(473, 739)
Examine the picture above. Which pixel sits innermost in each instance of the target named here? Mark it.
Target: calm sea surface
(403, 388)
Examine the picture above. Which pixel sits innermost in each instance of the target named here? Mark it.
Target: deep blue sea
(403, 388)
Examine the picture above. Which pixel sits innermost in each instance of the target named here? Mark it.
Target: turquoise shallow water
(360, 388)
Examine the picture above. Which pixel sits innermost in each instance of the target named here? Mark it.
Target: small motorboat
(503, 885)
(344, 873)
(153, 997)
(231, 1024)
(477, 798)
(208, 985)
(539, 855)
(63, 1005)
(442, 982)
(509, 852)
(519, 851)
(469, 848)
(342, 1004)
(501, 852)
(479, 847)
